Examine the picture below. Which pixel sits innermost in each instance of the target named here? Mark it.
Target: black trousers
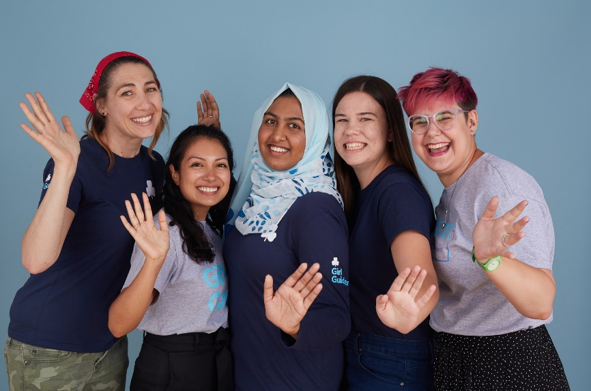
(185, 362)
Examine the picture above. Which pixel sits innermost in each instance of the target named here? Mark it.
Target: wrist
(487, 264)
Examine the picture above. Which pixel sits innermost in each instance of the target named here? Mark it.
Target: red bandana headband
(87, 99)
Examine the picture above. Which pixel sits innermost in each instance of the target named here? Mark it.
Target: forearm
(530, 290)
(131, 305)
(44, 238)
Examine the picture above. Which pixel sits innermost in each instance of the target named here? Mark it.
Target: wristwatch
(490, 265)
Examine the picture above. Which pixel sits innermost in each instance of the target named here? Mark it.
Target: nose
(432, 128)
(209, 174)
(351, 128)
(143, 101)
(279, 133)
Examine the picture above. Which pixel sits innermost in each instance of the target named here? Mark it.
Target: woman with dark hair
(75, 248)
(391, 222)
(177, 295)
(286, 214)
(489, 324)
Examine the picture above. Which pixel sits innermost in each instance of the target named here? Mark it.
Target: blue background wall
(529, 62)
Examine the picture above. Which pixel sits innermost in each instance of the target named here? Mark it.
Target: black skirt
(523, 360)
(194, 361)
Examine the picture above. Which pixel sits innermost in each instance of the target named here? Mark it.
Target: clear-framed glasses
(444, 120)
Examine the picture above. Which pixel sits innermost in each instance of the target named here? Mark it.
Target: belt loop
(195, 340)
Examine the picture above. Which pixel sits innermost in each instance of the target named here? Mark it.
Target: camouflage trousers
(31, 368)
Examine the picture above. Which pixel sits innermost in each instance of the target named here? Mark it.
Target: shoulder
(504, 176)
(398, 184)
(312, 204)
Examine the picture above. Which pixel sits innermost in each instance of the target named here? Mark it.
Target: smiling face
(361, 135)
(282, 135)
(203, 176)
(450, 152)
(133, 104)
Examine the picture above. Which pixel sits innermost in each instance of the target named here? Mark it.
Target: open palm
(398, 308)
(153, 241)
(287, 306)
(62, 146)
(489, 232)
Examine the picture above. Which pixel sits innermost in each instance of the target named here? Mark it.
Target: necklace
(449, 203)
(478, 153)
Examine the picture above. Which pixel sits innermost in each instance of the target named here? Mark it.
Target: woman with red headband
(76, 248)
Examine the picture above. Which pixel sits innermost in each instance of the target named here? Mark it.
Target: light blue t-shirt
(469, 303)
(192, 296)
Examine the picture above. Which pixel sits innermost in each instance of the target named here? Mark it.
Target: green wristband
(490, 265)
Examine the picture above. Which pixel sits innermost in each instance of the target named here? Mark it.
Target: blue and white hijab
(263, 196)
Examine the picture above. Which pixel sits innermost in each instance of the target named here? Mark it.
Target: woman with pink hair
(496, 284)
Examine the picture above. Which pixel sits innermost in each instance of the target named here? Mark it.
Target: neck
(122, 146)
(448, 180)
(365, 175)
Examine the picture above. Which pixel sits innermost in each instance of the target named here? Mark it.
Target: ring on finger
(141, 222)
(505, 237)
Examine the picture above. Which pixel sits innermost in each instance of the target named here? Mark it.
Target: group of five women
(340, 276)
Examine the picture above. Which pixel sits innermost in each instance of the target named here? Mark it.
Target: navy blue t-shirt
(313, 230)
(393, 202)
(66, 307)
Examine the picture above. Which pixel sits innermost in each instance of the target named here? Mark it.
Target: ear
(174, 174)
(473, 121)
(390, 136)
(100, 106)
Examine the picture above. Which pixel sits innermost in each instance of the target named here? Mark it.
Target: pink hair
(437, 84)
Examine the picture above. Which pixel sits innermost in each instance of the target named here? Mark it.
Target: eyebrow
(133, 84)
(202, 158)
(288, 118)
(358, 114)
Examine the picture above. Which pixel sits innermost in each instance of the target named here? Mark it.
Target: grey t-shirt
(192, 296)
(469, 303)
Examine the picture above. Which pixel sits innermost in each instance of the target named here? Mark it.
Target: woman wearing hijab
(286, 213)
(76, 248)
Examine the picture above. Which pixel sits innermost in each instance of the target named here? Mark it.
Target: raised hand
(208, 112)
(492, 236)
(153, 242)
(62, 146)
(289, 304)
(398, 308)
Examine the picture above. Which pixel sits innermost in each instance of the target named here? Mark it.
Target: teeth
(278, 149)
(142, 120)
(437, 146)
(353, 146)
(208, 189)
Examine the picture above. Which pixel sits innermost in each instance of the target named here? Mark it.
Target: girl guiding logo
(337, 273)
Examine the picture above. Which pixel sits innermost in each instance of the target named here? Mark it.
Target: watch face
(493, 264)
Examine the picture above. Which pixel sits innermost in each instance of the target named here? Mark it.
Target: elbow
(541, 314)
(117, 331)
(34, 267)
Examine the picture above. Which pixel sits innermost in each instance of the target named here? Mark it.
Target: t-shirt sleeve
(323, 239)
(75, 194)
(402, 208)
(537, 247)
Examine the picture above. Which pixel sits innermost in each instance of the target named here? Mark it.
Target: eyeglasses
(444, 120)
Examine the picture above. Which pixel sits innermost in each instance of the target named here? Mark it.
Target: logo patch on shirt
(46, 183)
(337, 273)
(214, 277)
(443, 237)
(150, 190)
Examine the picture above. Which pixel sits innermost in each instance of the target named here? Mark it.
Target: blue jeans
(380, 363)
